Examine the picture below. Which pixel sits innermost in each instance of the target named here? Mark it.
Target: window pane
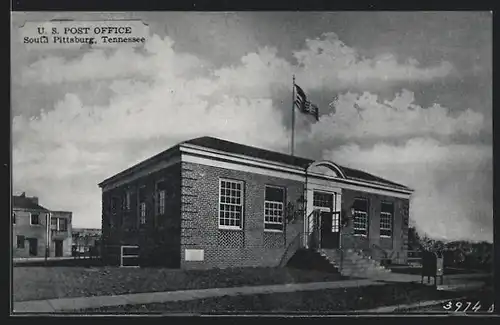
(62, 224)
(385, 232)
(161, 186)
(359, 231)
(273, 226)
(230, 203)
(387, 207)
(361, 205)
(275, 194)
(20, 241)
(323, 199)
(142, 194)
(338, 202)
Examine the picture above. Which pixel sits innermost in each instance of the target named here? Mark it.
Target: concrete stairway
(309, 259)
(355, 264)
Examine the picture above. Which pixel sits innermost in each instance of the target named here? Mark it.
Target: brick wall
(22, 227)
(394, 246)
(159, 237)
(231, 248)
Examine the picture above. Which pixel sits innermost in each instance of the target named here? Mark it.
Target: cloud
(158, 97)
(453, 183)
(329, 63)
(153, 61)
(360, 116)
(324, 63)
(75, 146)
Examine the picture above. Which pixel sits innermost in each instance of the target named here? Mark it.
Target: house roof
(232, 147)
(356, 174)
(21, 202)
(241, 149)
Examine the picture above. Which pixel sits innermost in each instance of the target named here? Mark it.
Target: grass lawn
(34, 283)
(329, 300)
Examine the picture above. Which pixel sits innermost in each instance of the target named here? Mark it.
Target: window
(331, 201)
(160, 197)
(53, 223)
(126, 201)
(142, 208)
(230, 204)
(142, 205)
(324, 200)
(273, 208)
(34, 219)
(59, 224)
(360, 217)
(386, 213)
(20, 241)
(114, 205)
(63, 224)
(337, 202)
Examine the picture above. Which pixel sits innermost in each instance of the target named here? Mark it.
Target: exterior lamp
(300, 204)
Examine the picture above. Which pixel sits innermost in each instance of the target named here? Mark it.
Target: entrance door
(33, 246)
(59, 248)
(329, 230)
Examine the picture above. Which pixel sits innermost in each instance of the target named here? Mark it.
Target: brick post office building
(208, 202)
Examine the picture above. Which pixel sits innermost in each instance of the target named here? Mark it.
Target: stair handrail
(298, 236)
(292, 242)
(381, 250)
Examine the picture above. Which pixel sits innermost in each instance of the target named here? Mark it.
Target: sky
(413, 103)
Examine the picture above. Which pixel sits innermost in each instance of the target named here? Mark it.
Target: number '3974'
(466, 306)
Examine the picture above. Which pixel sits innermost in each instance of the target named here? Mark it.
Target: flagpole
(293, 116)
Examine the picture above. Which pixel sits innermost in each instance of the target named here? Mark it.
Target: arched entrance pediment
(325, 167)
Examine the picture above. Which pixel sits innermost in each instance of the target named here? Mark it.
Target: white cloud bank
(161, 97)
(453, 183)
(359, 116)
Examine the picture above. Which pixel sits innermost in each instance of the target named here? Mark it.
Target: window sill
(360, 235)
(230, 228)
(381, 236)
(273, 230)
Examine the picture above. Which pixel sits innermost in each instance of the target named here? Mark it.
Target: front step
(311, 259)
(355, 264)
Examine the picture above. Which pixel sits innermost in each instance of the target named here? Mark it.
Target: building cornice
(225, 160)
(217, 158)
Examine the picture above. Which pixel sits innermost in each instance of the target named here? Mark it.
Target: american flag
(304, 105)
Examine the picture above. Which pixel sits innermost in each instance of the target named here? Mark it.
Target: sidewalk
(79, 303)
(447, 279)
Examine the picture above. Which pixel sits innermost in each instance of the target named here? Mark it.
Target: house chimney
(34, 199)
(23, 194)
